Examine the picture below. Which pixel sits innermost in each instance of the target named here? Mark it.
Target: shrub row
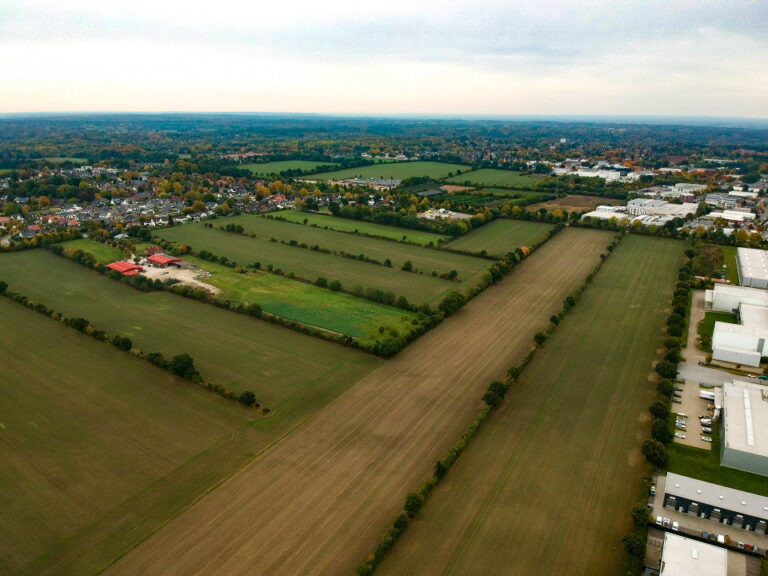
(492, 397)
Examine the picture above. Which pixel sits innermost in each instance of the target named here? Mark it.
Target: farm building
(752, 266)
(125, 268)
(681, 556)
(743, 343)
(163, 261)
(717, 503)
(745, 427)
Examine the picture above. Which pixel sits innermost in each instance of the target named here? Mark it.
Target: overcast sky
(631, 57)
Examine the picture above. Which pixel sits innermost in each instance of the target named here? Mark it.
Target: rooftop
(746, 417)
(753, 263)
(716, 495)
(683, 556)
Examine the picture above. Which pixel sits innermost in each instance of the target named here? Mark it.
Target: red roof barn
(162, 260)
(125, 268)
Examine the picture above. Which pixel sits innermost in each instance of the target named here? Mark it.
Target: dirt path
(692, 353)
(320, 500)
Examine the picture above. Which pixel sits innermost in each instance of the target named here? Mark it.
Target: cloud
(652, 57)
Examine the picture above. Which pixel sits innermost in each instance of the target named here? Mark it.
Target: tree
(122, 343)
(183, 365)
(413, 503)
(665, 388)
(655, 453)
(634, 545)
(491, 398)
(659, 409)
(666, 369)
(452, 302)
(540, 338)
(408, 266)
(254, 310)
(660, 431)
(3, 287)
(335, 285)
(322, 282)
(247, 398)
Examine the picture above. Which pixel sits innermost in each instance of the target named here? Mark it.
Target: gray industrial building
(752, 266)
(745, 427)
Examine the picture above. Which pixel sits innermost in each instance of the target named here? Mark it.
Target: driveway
(693, 373)
(692, 353)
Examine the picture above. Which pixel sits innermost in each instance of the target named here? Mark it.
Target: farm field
(505, 192)
(98, 448)
(347, 225)
(501, 236)
(104, 254)
(269, 168)
(547, 486)
(495, 178)
(352, 273)
(395, 170)
(291, 373)
(574, 203)
(62, 159)
(300, 302)
(325, 494)
(423, 259)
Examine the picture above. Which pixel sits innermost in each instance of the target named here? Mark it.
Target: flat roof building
(752, 266)
(747, 342)
(729, 298)
(745, 427)
(720, 504)
(683, 556)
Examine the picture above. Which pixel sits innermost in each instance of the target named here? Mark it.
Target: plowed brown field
(319, 500)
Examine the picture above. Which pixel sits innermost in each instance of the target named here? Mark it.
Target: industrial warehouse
(745, 427)
(752, 266)
(743, 343)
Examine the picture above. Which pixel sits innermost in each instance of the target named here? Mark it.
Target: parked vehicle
(681, 415)
(706, 439)
(676, 401)
(706, 430)
(658, 520)
(680, 435)
(665, 522)
(675, 526)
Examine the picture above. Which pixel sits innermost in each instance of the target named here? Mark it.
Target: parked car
(706, 439)
(680, 435)
(665, 522)
(706, 430)
(676, 401)
(658, 520)
(675, 526)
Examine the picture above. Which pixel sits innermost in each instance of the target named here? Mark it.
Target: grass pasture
(548, 484)
(423, 259)
(62, 159)
(334, 311)
(346, 225)
(395, 170)
(104, 254)
(495, 178)
(319, 500)
(291, 373)
(501, 236)
(353, 274)
(98, 448)
(275, 168)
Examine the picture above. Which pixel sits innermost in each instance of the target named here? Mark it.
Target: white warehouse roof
(716, 495)
(746, 418)
(683, 556)
(753, 265)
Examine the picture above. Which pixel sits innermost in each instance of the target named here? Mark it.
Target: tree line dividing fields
(423, 259)
(502, 236)
(291, 373)
(395, 170)
(323, 496)
(547, 485)
(98, 448)
(354, 275)
(370, 228)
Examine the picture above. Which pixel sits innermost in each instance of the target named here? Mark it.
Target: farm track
(319, 501)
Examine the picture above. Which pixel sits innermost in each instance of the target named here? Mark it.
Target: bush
(247, 398)
(665, 388)
(413, 504)
(122, 343)
(660, 431)
(452, 302)
(666, 369)
(183, 366)
(659, 410)
(3, 287)
(335, 285)
(408, 266)
(322, 282)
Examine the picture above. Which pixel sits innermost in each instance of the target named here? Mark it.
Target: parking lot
(692, 406)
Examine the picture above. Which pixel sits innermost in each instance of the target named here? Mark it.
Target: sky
(446, 57)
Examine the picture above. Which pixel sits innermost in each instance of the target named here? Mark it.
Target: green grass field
(347, 225)
(705, 465)
(98, 448)
(335, 311)
(423, 259)
(396, 170)
(62, 159)
(291, 373)
(501, 236)
(353, 274)
(504, 192)
(274, 168)
(495, 178)
(548, 484)
(104, 254)
(729, 260)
